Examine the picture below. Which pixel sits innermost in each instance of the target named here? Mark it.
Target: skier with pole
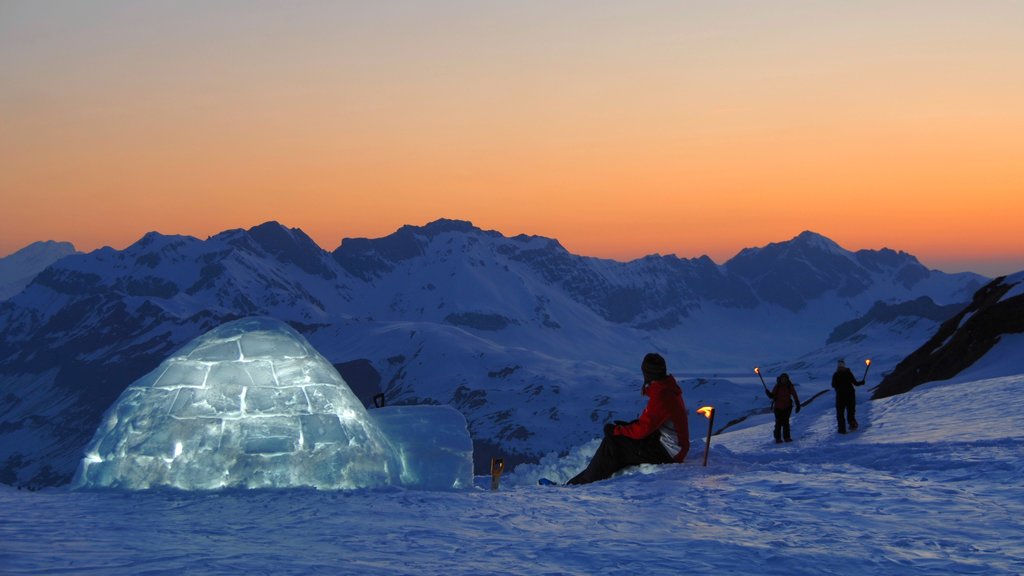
(844, 381)
(784, 399)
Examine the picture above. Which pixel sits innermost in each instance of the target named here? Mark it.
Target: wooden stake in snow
(497, 467)
(709, 413)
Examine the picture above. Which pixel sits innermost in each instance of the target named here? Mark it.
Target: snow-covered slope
(18, 269)
(537, 347)
(920, 489)
(994, 317)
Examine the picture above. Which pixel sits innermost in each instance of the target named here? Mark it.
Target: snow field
(922, 488)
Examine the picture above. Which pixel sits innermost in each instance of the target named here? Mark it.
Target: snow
(252, 404)
(1003, 359)
(1016, 282)
(18, 269)
(930, 484)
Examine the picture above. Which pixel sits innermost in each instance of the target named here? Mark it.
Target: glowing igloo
(249, 404)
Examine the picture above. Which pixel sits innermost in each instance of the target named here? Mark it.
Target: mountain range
(19, 268)
(536, 346)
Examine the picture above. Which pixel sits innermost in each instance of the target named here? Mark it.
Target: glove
(797, 407)
(860, 382)
(609, 429)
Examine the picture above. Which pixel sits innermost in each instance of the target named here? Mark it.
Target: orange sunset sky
(620, 128)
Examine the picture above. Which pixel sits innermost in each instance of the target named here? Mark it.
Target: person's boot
(853, 425)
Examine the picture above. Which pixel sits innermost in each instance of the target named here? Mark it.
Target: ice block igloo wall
(248, 404)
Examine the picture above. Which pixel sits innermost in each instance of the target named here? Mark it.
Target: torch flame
(868, 362)
(706, 411)
(757, 370)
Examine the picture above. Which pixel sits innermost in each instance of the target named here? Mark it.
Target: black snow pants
(782, 424)
(846, 411)
(618, 452)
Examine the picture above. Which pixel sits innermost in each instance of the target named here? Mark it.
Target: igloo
(251, 404)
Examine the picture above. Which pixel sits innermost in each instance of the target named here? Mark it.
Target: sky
(621, 129)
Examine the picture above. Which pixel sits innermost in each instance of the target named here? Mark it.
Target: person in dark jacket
(784, 398)
(659, 436)
(846, 399)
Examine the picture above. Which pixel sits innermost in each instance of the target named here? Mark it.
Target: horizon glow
(620, 130)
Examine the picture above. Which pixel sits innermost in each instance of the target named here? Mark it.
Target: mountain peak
(43, 247)
(443, 225)
(811, 239)
(291, 245)
(150, 239)
(18, 269)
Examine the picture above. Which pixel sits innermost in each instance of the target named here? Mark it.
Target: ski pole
(758, 370)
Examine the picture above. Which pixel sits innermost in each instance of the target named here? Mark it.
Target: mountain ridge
(530, 341)
(19, 268)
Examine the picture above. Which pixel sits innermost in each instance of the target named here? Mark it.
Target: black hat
(653, 367)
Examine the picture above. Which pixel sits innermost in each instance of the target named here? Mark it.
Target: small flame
(707, 411)
(868, 362)
(757, 370)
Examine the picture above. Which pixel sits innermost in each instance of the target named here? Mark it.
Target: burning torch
(497, 467)
(758, 371)
(867, 366)
(709, 413)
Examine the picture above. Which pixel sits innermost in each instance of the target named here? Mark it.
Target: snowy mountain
(19, 268)
(536, 346)
(996, 314)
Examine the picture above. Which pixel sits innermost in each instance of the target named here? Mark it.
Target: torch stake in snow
(709, 413)
(497, 467)
(758, 371)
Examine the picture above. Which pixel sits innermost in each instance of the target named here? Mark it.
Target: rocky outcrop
(962, 340)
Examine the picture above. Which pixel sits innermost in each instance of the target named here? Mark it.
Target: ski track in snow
(931, 484)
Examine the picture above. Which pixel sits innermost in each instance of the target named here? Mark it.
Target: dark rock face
(923, 307)
(960, 341)
(293, 245)
(480, 321)
(362, 378)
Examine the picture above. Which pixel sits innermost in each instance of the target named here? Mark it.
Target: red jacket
(781, 395)
(665, 411)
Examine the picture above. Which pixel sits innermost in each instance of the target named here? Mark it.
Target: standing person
(784, 398)
(660, 436)
(846, 399)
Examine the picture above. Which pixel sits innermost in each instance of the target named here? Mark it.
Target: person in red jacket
(784, 398)
(659, 436)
